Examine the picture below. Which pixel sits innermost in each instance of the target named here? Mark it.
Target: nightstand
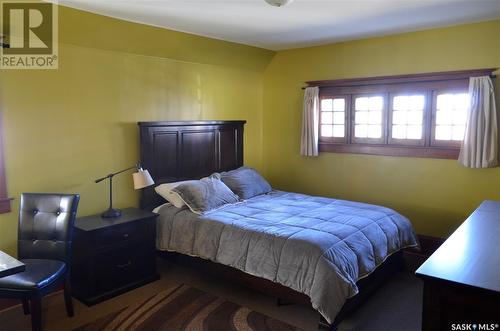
(113, 255)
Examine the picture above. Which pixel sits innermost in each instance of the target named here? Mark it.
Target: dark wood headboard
(175, 151)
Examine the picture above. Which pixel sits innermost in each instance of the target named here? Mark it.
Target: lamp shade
(142, 179)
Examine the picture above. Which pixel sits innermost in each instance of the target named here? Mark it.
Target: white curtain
(480, 145)
(310, 122)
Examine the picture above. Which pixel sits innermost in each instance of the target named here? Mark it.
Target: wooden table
(462, 278)
(9, 265)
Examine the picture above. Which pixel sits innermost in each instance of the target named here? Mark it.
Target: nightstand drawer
(120, 267)
(123, 234)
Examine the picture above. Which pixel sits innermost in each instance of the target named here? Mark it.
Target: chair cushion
(38, 274)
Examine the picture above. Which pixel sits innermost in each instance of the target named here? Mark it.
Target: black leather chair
(44, 245)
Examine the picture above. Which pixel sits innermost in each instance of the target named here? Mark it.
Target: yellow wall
(435, 194)
(64, 128)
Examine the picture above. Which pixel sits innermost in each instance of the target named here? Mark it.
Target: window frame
(390, 110)
(442, 143)
(430, 84)
(352, 124)
(347, 105)
(5, 201)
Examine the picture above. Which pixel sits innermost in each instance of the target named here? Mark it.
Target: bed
(325, 252)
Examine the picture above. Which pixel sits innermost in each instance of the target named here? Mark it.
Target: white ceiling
(301, 23)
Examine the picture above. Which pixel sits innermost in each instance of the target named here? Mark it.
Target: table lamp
(142, 179)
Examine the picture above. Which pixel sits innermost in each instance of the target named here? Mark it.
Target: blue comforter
(317, 246)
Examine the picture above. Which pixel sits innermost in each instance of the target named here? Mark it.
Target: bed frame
(175, 151)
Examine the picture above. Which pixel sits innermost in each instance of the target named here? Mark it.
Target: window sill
(387, 150)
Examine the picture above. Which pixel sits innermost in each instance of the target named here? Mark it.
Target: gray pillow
(206, 194)
(246, 182)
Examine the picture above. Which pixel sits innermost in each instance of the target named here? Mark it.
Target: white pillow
(165, 190)
(157, 209)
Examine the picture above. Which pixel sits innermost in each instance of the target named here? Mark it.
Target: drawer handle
(126, 265)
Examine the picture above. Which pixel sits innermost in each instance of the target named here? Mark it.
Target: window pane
(409, 102)
(399, 131)
(326, 105)
(338, 131)
(416, 102)
(361, 131)
(338, 118)
(450, 101)
(333, 117)
(458, 132)
(375, 103)
(338, 104)
(414, 132)
(400, 103)
(461, 101)
(451, 116)
(326, 117)
(408, 116)
(368, 117)
(443, 132)
(374, 131)
(327, 131)
(362, 103)
(362, 117)
(399, 117)
(444, 117)
(415, 117)
(444, 102)
(375, 117)
(460, 117)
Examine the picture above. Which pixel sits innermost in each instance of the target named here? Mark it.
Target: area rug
(185, 308)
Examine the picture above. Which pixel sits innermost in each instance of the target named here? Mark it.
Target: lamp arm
(137, 166)
(112, 213)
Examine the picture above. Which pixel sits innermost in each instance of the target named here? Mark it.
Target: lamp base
(111, 213)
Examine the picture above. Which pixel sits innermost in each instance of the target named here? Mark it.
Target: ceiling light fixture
(278, 3)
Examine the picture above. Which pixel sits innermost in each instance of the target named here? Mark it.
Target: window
(451, 116)
(420, 115)
(368, 118)
(407, 119)
(333, 118)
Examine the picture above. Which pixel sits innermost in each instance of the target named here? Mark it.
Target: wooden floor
(403, 292)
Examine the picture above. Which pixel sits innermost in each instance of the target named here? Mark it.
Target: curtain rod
(492, 76)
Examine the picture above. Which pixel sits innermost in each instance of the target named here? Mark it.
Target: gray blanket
(317, 246)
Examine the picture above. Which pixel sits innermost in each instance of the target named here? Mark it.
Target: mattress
(315, 245)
